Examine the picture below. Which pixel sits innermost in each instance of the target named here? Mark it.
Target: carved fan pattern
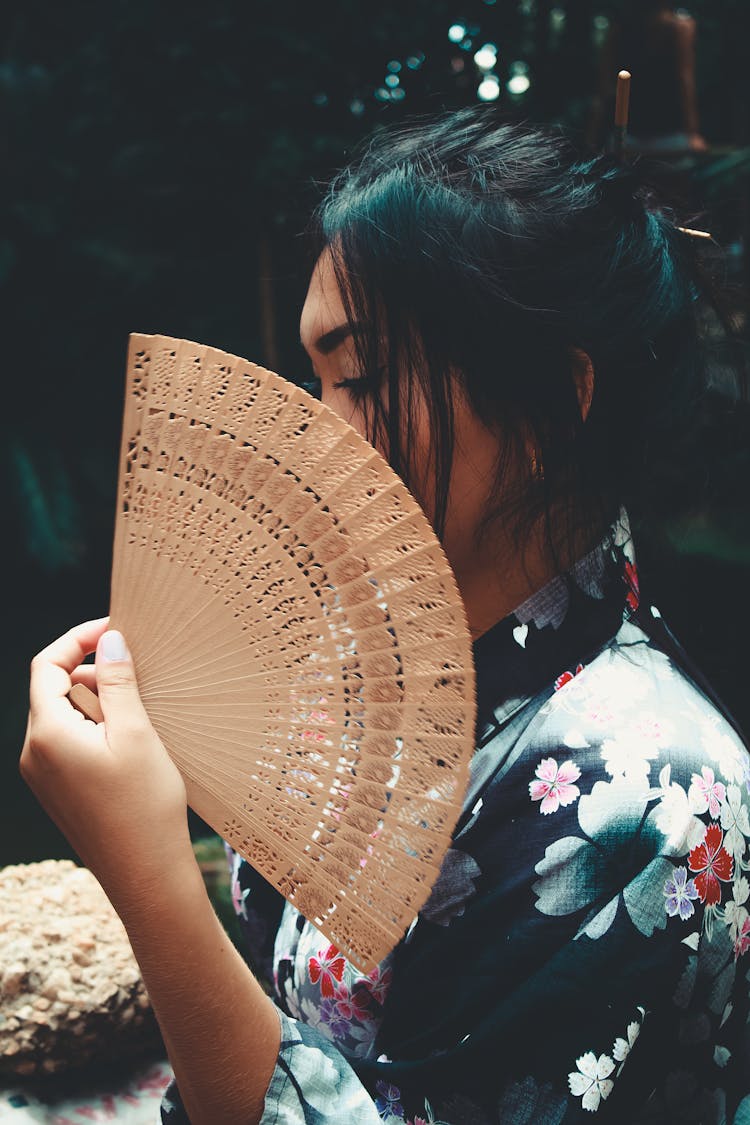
(299, 640)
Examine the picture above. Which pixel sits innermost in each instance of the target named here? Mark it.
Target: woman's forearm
(220, 1029)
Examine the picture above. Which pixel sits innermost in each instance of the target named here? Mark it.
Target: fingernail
(112, 646)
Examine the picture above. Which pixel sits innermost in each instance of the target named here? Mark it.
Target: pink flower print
(711, 862)
(327, 967)
(650, 728)
(705, 793)
(601, 714)
(680, 893)
(633, 596)
(565, 677)
(555, 785)
(742, 941)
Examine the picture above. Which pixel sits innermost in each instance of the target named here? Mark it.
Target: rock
(71, 992)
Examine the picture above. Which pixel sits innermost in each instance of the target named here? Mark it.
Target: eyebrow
(332, 339)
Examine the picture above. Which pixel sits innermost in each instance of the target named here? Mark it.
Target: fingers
(51, 669)
(124, 713)
(84, 674)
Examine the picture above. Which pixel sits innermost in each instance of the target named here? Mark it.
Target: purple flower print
(330, 1015)
(680, 893)
(388, 1102)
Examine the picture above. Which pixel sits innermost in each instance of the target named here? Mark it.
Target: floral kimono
(585, 948)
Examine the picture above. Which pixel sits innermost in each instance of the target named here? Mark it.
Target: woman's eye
(357, 386)
(361, 385)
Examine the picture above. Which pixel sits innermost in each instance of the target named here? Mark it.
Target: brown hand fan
(299, 640)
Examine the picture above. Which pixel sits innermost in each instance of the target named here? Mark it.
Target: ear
(583, 376)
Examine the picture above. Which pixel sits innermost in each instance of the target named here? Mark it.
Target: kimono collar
(554, 631)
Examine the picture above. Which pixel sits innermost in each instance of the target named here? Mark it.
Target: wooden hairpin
(695, 233)
(622, 103)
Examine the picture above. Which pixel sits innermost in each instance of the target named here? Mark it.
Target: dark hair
(482, 253)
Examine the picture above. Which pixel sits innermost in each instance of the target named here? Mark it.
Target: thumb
(116, 684)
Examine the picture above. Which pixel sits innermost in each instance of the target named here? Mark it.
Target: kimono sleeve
(312, 1084)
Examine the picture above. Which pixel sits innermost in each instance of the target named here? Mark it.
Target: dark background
(160, 160)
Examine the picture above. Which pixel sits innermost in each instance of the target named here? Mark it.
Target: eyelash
(358, 387)
(361, 385)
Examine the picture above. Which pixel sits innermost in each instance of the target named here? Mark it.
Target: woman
(511, 325)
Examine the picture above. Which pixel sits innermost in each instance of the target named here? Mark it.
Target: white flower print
(311, 1015)
(591, 1082)
(238, 895)
(725, 751)
(706, 793)
(574, 740)
(673, 815)
(628, 756)
(735, 822)
(735, 913)
(622, 1047)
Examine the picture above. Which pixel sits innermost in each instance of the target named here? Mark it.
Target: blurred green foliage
(159, 161)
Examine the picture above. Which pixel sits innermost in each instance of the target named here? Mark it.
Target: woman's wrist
(152, 881)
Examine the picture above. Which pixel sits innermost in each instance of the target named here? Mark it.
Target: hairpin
(695, 233)
(622, 102)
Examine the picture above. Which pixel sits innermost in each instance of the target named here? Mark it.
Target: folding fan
(299, 640)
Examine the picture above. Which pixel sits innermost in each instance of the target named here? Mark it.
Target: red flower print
(352, 1005)
(565, 677)
(378, 983)
(327, 968)
(711, 862)
(633, 596)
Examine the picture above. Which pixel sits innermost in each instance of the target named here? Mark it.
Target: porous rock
(71, 992)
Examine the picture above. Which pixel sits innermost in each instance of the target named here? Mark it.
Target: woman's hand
(110, 787)
(115, 793)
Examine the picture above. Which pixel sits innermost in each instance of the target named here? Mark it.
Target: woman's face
(498, 574)
(327, 338)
